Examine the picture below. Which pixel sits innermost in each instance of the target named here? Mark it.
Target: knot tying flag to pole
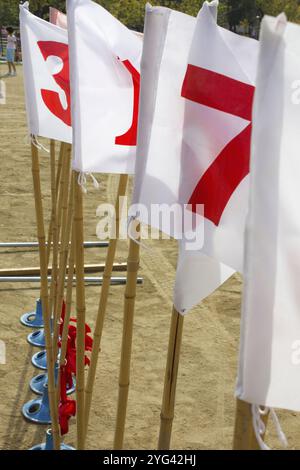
(82, 181)
(37, 144)
(260, 427)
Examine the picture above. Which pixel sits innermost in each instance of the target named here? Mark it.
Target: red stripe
(218, 91)
(223, 177)
(130, 137)
(219, 182)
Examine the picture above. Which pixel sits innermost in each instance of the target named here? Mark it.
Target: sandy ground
(205, 406)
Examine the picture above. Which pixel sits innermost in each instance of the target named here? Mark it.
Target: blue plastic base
(37, 384)
(39, 360)
(37, 338)
(48, 445)
(38, 410)
(43, 447)
(34, 319)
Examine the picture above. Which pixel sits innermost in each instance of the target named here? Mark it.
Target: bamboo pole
(171, 373)
(244, 435)
(67, 215)
(109, 263)
(64, 148)
(124, 375)
(80, 309)
(35, 270)
(56, 223)
(115, 280)
(52, 179)
(89, 244)
(53, 196)
(52, 234)
(69, 291)
(56, 184)
(44, 294)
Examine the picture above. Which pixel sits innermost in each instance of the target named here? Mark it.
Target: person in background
(10, 52)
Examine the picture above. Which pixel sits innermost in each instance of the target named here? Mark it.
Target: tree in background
(9, 12)
(275, 7)
(131, 12)
(241, 12)
(9, 9)
(232, 13)
(41, 7)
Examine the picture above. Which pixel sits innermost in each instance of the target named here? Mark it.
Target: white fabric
(269, 372)
(207, 131)
(58, 18)
(185, 138)
(39, 75)
(197, 277)
(102, 87)
(179, 139)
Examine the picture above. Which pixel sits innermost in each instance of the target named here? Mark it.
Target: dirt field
(205, 406)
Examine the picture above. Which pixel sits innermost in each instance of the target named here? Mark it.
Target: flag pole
(44, 294)
(55, 226)
(129, 304)
(244, 436)
(52, 225)
(54, 187)
(80, 309)
(171, 373)
(63, 176)
(110, 257)
(66, 224)
(35, 270)
(53, 198)
(69, 290)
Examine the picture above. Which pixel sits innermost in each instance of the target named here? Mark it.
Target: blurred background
(240, 16)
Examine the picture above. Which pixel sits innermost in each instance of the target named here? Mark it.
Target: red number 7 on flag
(231, 166)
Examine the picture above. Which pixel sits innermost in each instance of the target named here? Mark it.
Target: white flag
(105, 81)
(218, 91)
(58, 18)
(197, 275)
(269, 372)
(46, 77)
(194, 137)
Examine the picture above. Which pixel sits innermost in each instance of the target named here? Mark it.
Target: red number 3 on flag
(62, 78)
(51, 98)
